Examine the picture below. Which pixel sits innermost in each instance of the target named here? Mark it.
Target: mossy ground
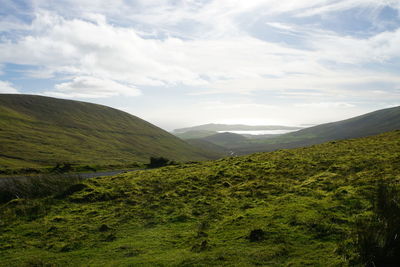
(305, 202)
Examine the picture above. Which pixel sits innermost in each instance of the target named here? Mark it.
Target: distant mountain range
(41, 131)
(202, 131)
(366, 125)
(234, 127)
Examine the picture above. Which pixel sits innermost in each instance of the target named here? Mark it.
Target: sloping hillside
(194, 134)
(209, 146)
(286, 208)
(223, 139)
(365, 125)
(39, 131)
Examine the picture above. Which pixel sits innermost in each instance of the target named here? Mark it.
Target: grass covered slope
(372, 123)
(37, 131)
(224, 139)
(194, 134)
(365, 125)
(286, 208)
(209, 146)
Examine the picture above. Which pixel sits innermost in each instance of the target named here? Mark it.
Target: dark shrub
(156, 162)
(62, 168)
(378, 237)
(256, 235)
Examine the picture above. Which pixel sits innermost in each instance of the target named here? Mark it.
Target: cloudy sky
(179, 63)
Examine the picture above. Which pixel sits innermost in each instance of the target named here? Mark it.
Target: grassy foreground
(294, 207)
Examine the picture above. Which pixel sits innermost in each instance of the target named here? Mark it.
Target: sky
(179, 63)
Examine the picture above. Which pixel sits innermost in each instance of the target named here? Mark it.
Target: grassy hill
(225, 139)
(299, 207)
(366, 125)
(194, 134)
(39, 131)
(208, 146)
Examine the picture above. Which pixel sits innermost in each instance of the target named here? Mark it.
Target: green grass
(36, 187)
(37, 132)
(209, 146)
(194, 134)
(305, 201)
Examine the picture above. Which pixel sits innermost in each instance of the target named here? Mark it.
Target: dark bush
(156, 162)
(256, 235)
(378, 237)
(62, 168)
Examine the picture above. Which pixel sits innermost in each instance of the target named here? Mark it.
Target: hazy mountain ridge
(39, 131)
(234, 127)
(194, 134)
(372, 123)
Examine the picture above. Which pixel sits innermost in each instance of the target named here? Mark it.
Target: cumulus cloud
(92, 47)
(7, 88)
(90, 87)
(104, 48)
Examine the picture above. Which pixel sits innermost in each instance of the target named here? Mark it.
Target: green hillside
(365, 125)
(39, 131)
(194, 134)
(299, 207)
(209, 146)
(226, 139)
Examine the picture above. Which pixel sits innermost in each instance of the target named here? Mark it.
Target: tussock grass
(35, 187)
(297, 207)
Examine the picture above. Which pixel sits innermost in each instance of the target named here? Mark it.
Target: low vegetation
(35, 187)
(66, 167)
(314, 206)
(377, 237)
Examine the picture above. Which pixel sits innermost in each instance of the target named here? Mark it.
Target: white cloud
(326, 105)
(335, 6)
(90, 87)
(345, 49)
(106, 48)
(7, 88)
(91, 47)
